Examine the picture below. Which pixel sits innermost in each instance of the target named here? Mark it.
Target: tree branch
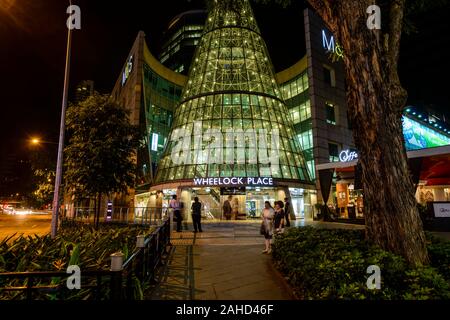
(324, 9)
(395, 33)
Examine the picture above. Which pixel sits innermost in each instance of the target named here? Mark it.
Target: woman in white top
(267, 216)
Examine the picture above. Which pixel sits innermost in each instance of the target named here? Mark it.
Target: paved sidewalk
(222, 263)
(225, 263)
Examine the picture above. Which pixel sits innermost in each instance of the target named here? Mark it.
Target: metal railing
(115, 284)
(126, 215)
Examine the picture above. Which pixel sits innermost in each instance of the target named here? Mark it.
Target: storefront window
(256, 198)
(302, 202)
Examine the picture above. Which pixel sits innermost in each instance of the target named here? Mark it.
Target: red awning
(436, 170)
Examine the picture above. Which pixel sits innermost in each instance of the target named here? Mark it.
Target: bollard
(116, 275)
(140, 241)
(117, 261)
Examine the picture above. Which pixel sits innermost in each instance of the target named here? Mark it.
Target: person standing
(175, 205)
(287, 211)
(279, 216)
(197, 215)
(267, 225)
(227, 210)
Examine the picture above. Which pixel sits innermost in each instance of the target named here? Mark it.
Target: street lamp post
(59, 164)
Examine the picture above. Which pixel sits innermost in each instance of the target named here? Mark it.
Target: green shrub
(75, 244)
(332, 264)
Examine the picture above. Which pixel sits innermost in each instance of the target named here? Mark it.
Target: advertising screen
(418, 136)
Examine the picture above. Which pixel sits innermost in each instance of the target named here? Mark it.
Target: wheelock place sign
(234, 181)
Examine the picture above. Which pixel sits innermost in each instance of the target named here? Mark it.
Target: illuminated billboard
(418, 136)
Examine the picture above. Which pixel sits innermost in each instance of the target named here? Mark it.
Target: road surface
(24, 224)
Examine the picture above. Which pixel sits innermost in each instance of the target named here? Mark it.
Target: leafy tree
(100, 154)
(44, 186)
(42, 159)
(376, 100)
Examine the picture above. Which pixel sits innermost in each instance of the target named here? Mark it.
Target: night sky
(33, 40)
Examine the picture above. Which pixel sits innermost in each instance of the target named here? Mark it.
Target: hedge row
(332, 264)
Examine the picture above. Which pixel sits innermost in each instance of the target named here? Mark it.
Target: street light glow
(35, 141)
(6, 4)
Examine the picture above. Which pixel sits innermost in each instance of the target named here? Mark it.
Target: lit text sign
(128, 68)
(331, 45)
(441, 209)
(348, 155)
(234, 181)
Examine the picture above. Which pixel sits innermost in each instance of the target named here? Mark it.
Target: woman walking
(267, 225)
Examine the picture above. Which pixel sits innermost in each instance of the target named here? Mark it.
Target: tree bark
(375, 103)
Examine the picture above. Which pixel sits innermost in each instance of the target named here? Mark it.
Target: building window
(333, 151)
(311, 169)
(331, 113)
(154, 142)
(329, 76)
(295, 87)
(306, 140)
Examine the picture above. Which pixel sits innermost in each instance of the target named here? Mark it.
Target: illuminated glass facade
(296, 96)
(160, 97)
(231, 86)
(181, 39)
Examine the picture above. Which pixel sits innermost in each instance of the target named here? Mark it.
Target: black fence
(123, 282)
(127, 215)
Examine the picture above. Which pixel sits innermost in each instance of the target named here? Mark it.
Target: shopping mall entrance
(247, 203)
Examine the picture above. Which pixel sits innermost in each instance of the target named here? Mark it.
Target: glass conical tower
(231, 121)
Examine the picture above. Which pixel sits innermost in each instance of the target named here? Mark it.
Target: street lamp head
(35, 141)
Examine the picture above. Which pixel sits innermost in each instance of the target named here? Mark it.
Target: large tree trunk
(375, 103)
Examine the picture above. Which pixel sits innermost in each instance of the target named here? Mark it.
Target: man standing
(227, 208)
(287, 211)
(197, 215)
(175, 205)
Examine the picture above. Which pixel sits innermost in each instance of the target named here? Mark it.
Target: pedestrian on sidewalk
(197, 215)
(279, 217)
(267, 225)
(288, 211)
(175, 205)
(227, 209)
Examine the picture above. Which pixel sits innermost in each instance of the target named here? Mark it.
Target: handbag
(262, 229)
